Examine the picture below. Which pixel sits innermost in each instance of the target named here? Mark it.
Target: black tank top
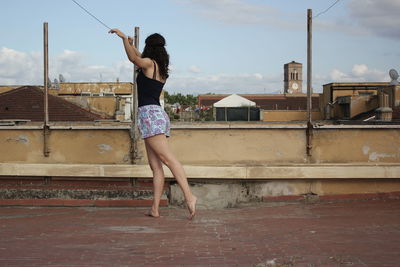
(149, 90)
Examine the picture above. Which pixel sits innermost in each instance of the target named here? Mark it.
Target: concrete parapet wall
(66, 146)
(254, 146)
(356, 145)
(212, 145)
(239, 146)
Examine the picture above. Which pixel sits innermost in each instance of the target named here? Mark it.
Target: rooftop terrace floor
(359, 233)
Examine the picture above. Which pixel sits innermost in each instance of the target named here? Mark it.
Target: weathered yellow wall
(66, 146)
(361, 104)
(239, 146)
(337, 93)
(289, 115)
(356, 145)
(5, 88)
(259, 146)
(344, 89)
(100, 105)
(394, 95)
(280, 146)
(77, 88)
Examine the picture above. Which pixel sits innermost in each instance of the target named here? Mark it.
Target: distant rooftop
(27, 103)
(268, 101)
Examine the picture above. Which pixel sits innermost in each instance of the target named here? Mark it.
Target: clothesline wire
(320, 13)
(326, 10)
(91, 14)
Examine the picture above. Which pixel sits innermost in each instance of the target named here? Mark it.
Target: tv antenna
(394, 75)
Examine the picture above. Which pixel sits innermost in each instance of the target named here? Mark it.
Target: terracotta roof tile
(26, 103)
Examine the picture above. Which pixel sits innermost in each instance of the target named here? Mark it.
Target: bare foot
(153, 214)
(192, 207)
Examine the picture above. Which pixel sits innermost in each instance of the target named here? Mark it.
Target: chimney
(384, 112)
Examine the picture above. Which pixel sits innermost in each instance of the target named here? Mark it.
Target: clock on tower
(293, 73)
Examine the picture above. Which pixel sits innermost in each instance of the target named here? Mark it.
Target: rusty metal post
(46, 129)
(134, 107)
(309, 132)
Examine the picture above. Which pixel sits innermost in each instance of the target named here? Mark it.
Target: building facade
(359, 101)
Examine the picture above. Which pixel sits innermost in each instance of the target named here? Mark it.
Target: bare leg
(158, 180)
(159, 145)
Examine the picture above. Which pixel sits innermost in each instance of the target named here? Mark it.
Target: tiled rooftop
(27, 103)
(361, 233)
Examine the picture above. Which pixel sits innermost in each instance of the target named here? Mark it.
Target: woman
(153, 121)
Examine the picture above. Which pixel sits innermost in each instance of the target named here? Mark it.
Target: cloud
(258, 76)
(194, 69)
(17, 67)
(358, 73)
(339, 26)
(73, 67)
(379, 17)
(27, 68)
(224, 83)
(359, 69)
(239, 12)
(172, 68)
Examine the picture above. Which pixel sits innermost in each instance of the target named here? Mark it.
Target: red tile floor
(358, 233)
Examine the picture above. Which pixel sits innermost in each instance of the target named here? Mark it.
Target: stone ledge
(318, 125)
(294, 171)
(79, 203)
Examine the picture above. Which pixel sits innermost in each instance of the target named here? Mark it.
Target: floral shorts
(153, 120)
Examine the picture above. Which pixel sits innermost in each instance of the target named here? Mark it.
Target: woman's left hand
(118, 32)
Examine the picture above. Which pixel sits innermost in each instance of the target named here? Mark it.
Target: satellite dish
(394, 75)
(61, 78)
(56, 84)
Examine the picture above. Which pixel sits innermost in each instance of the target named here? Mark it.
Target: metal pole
(134, 105)
(46, 72)
(46, 101)
(309, 132)
(309, 64)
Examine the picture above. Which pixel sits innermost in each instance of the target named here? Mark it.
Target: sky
(215, 46)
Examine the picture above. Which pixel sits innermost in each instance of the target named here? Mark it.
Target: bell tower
(293, 78)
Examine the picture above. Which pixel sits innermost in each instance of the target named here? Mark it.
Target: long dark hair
(155, 49)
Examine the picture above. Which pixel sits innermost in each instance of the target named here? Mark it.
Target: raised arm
(130, 39)
(133, 54)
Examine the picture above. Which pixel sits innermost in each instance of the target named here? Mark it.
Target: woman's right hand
(130, 40)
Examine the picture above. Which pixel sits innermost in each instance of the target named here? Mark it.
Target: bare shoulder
(146, 63)
(149, 70)
(143, 63)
